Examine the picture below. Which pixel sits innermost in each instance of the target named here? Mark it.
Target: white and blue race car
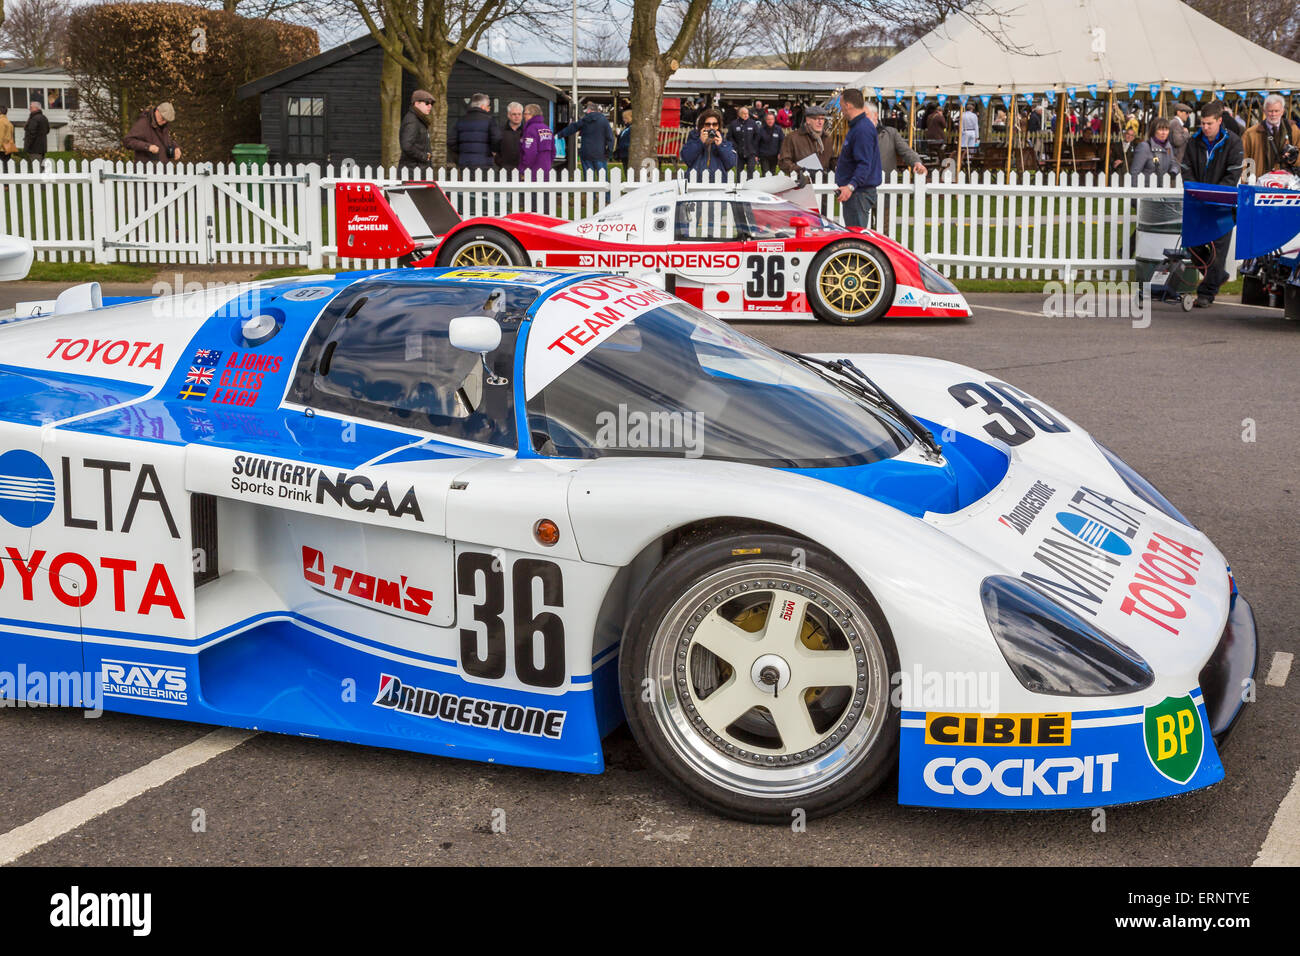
(492, 514)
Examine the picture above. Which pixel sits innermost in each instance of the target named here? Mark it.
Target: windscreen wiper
(866, 386)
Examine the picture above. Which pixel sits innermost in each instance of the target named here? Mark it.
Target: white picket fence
(987, 225)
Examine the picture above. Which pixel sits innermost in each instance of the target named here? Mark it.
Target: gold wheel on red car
(850, 283)
(481, 248)
(483, 253)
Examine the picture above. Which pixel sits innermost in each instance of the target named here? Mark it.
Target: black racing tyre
(1253, 290)
(481, 248)
(850, 282)
(755, 674)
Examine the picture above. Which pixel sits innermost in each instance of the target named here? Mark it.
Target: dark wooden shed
(326, 108)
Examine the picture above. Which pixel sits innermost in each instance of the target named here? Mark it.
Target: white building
(50, 85)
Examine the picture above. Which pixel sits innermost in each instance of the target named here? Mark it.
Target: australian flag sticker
(199, 377)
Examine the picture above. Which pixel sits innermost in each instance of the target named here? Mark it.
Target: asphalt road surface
(1174, 399)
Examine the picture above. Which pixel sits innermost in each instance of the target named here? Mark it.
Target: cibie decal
(26, 488)
(1175, 737)
(137, 681)
(370, 590)
(468, 711)
(998, 730)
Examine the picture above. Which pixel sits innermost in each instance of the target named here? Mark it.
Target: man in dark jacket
(150, 135)
(743, 133)
(857, 171)
(893, 147)
(508, 157)
(476, 137)
(1213, 155)
(36, 133)
(705, 151)
(414, 135)
(768, 143)
(597, 137)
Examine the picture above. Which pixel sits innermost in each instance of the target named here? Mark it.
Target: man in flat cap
(807, 140)
(414, 135)
(151, 135)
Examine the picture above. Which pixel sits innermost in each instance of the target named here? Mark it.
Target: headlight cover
(1052, 650)
(1141, 487)
(934, 280)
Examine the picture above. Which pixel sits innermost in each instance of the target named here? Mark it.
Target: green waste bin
(251, 154)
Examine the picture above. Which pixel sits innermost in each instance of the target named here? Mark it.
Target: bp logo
(1094, 533)
(26, 489)
(1175, 737)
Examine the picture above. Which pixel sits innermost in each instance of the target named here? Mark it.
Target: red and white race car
(736, 252)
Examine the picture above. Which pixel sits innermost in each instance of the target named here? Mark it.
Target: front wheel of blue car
(755, 675)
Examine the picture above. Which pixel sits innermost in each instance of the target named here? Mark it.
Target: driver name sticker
(579, 317)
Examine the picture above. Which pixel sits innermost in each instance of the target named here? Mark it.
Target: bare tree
(426, 37)
(727, 31)
(1273, 24)
(35, 32)
(648, 70)
(603, 48)
(795, 32)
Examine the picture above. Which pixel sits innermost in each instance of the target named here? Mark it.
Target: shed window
(304, 126)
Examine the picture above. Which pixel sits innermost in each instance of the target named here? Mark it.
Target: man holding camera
(151, 136)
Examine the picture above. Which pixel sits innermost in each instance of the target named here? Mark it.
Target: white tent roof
(1055, 44)
(598, 79)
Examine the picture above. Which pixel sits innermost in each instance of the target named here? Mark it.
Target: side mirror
(477, 333)
(474, 333)
(801, 225)
(16, 256)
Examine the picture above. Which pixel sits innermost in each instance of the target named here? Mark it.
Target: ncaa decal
(26, 489)
(468, 711)
(137, 681)
(285, 480)
(1175, 737)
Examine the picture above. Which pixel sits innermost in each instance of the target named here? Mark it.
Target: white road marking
(1279, 669)
(1282, 845)
(997, 308)
(49, 826)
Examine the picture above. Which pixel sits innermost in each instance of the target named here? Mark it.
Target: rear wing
(390, 222)
(1266, 217)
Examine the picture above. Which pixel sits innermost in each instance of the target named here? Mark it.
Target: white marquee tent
(1058, 45)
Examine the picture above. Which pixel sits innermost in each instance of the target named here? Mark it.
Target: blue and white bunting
(1092, 90)
(1155, 90)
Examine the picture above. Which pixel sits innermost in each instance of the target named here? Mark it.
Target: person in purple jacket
(536, 150)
